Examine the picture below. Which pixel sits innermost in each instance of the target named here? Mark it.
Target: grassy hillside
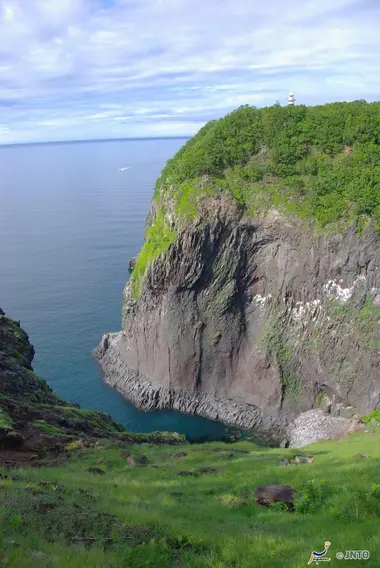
(129, 506)
(321, 163)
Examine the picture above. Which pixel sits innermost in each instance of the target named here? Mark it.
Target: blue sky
(78, 69)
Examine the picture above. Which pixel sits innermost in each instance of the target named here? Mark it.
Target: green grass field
(149, 516)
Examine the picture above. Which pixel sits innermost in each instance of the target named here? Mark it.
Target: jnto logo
(318, 557)
(353, 555)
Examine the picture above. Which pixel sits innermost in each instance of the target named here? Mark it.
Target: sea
(69, 223)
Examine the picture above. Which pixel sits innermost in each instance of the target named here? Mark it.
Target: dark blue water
(69, 223)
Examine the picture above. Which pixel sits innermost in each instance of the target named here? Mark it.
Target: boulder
(266, 495)
(283, 462)
(303, 459)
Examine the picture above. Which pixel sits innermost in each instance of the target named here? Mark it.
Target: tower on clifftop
(291, 99)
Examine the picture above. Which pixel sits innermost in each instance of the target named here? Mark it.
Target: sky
(88, 69)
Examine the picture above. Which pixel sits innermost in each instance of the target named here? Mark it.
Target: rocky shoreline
(280, 430)
(309, 427)
(147, 396)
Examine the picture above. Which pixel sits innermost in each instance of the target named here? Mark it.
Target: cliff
(256, 296)
(32, 417)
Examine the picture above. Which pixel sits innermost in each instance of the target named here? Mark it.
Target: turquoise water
(69, 223)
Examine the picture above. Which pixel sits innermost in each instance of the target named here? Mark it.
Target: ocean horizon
(92, 140)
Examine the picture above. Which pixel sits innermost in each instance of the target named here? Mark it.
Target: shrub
(372, 418)
(313, 498)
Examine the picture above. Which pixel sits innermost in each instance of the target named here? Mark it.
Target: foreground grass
(149, 516)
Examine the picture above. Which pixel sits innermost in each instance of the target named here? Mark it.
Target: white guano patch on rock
(302, 311)
(335, 291)
(261, 300)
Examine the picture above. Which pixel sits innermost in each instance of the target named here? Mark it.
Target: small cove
(70, 223)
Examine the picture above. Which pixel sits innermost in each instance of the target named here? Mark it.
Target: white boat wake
(123, 169)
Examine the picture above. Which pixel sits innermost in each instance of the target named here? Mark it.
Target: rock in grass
(208, 470)
(266, 495)
(361, 457)
(178, 455)
(187, 474)
(303, 459)
(283, 462)
(96, 470)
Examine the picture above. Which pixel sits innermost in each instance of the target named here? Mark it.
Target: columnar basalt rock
(252, 321)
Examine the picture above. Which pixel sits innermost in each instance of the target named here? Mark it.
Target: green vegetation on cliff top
(321, 163)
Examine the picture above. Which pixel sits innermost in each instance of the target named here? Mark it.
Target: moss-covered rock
(31, 414)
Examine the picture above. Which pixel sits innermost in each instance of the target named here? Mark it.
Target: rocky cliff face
(252, 321)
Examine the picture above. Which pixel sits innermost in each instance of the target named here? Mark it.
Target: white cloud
(84, 68)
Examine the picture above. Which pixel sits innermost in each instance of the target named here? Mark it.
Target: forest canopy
(321, 162)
